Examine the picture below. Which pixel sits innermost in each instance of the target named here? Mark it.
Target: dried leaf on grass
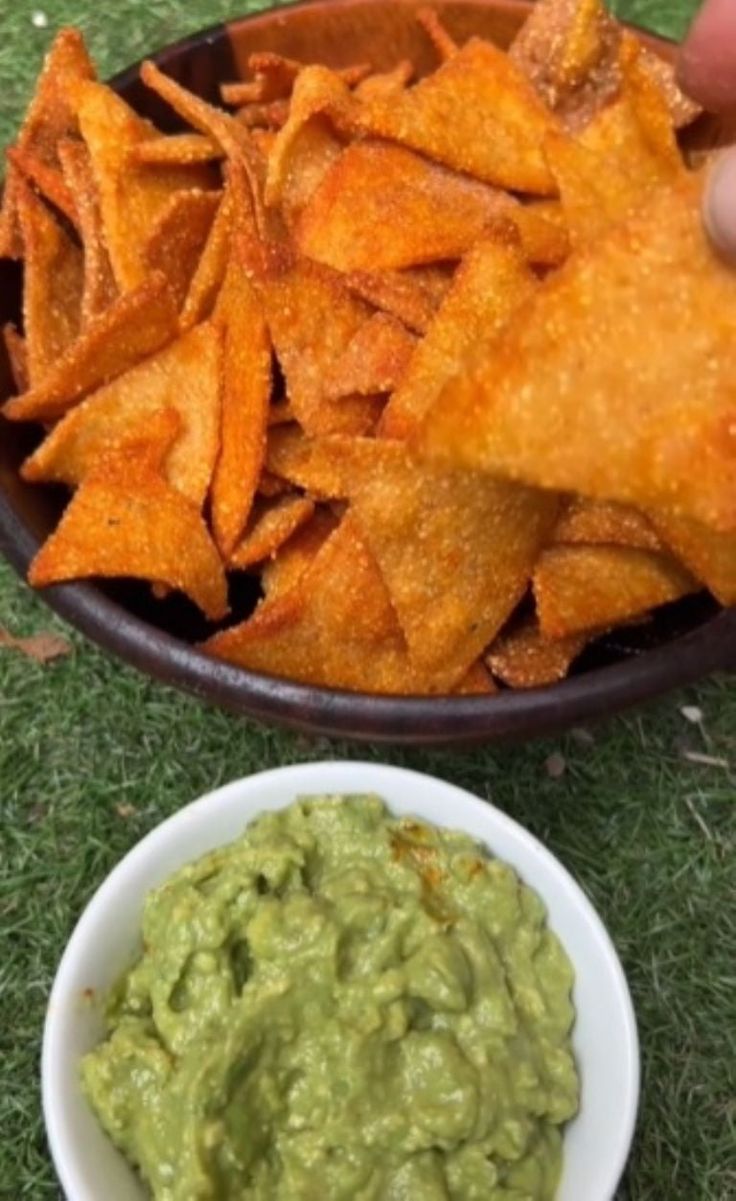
(41, 648)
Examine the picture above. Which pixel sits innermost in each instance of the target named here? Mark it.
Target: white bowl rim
(314, 777)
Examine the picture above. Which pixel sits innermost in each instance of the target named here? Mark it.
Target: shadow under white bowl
(106, 940)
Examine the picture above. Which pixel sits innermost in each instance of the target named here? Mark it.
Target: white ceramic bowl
(107, 938)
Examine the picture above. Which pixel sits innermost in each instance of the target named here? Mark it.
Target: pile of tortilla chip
(446, 364)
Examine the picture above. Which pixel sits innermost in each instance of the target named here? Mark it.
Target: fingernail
(719, 208)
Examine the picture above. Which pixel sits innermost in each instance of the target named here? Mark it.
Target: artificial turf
(93, 755)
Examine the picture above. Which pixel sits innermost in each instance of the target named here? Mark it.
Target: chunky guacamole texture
(341, 1006)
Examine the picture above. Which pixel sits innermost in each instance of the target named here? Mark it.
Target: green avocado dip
(341, 1006)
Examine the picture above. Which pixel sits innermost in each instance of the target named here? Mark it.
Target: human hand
(707, 72)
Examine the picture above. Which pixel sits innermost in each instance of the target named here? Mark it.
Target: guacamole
(341, 1006)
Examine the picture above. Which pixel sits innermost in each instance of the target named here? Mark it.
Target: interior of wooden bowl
(381, 32)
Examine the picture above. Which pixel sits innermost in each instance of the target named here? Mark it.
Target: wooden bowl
(681, 642)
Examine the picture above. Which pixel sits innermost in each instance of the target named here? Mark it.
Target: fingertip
(706, 67)
(719, 205)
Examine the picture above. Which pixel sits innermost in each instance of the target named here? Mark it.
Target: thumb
(719, 204)
(707, 64)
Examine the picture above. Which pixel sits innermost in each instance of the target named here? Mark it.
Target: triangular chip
(100, 288)
(323, 467)
(136, 325)
(184, 377)
(456, 551)
(306, 161)
(17, 351)
(477, 114)
(710, 556)
(385, 83)
(127, 521)
(581, 589)
(210, 270)
(132, 197)
(595, 191)
(477, 682)
(382, 207)
(176, 150)
(318, 92)
(601, 522)
(573, 396)
(524, 657)
(52, 285)
(177, 238)
(272, 115)
(440, 38)
(487, 289)
(275, 76)
(272, 524)
(48, 181)
(280, 574)
(413, 295)
(374, 361)
(335, 628)
(50, 117)
(246, 392)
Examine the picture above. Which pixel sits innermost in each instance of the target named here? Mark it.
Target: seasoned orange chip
(600, 522)
(456, 551)
(177, 238)
(635, 419)
(100, 288)
(281, 413)
(595, 192)
(136, 325)
(47, 180)
(176, 150)
(53, 282)
(579, 589)
(381, 207)
(275, 77)
(374, 361)
(305, 164)
(272, 115)
(445, 46)
(312, 319)
(272, 524)
(412, 295)
(210, 271)
(335, 627)
(185, 377)
(127, 521)
(477, 114)
(324, 467)
(17, 353)
(710, 556)
(246, 393)
(132, 197)
(524, 657)
(318, 93)
(476, 683)
(50, 117)
(281, 573)
(385, 83)
(488, 288)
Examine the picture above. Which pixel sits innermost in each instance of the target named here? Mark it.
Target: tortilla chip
(385, 83)
(635, 419)
(246, 393)
(136, 325)
(273, 115)
(445, 46)
(413, 295)
(456, 551)
(306, 162)
(223, 129)
(275, 77)
(323, 467)
(294, 557)
(17, 352)
(132, 197)
(488, 288)
(100, 289)
(600, 522)
(178, 237)
(184, 377)
(52, 286)
(127, 521)
(312, 319)
(270, 485)
(47, 180)
(381, 207)
(595, 193)
(272, 524)
(524, 657)
(210, 271)
(176, 150)
(374, 361)
(580, 589)
(281, 413)
(476, 683)
(50, 117)
(710, 556)
(477, 114)
(318, 93)
(334, 628)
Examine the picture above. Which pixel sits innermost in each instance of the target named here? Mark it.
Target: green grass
(93, 755)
